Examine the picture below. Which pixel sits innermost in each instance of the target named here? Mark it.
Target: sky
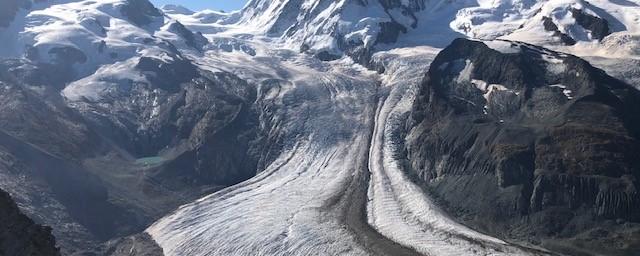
(197, 5)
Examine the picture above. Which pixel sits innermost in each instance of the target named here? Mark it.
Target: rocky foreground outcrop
(135, 245)
(19, 235)
(530, 144)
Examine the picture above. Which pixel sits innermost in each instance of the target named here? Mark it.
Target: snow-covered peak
(109, 31)
(89, 34)
(208, 22)
(330, 29)
(546, 21)
(176, 9)
(491, 19)
(598, 27)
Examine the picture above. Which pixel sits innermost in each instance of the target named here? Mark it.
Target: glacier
(339, 185)
(346, 122)
(343, 119)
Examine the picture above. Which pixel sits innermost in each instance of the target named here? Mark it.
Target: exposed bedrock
(19, 235)
(531, 144)
(8, 10)
(599, 27)
(186, 116)
(140, 12)
(550, 26)
(135, 245)
(42, 145)
(106, 166)
(29, 114)
(194, 40)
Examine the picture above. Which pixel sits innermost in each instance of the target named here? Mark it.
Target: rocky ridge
(528, 143)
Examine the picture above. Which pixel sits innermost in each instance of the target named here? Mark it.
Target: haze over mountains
(321, 127)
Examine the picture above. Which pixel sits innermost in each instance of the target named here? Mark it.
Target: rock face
(42, 145)
(105, 167)
(194, 40)
(552, 27)
(531, 144)
(186, 116)
(599, 27)
(19, 235)
(136, 245)
(140, 12)
(8, 11)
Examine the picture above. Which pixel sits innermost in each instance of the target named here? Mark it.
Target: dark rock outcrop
(552, 27)
(166, 75)
(201, 124)
(84, 168)
(407, 8)
(232, 44)
(599, 27)
(42, 143)
(286, 22)
(326, 56)
(8, 9)
(140, 12)
(532, 145)
(42, 121)
(136, 245)
(19, 235)
(66, 56)
(194, 40)
(389, 32)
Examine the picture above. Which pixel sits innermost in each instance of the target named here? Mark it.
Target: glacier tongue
(280, 212)
(311, 199)
(288, 208)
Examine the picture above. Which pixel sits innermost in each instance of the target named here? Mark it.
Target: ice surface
(287, 209)
(296, 206)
